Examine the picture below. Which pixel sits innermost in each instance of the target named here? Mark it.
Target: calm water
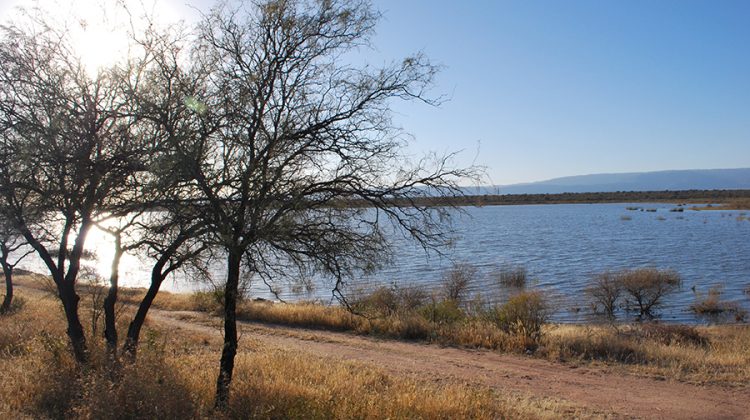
(561, 246)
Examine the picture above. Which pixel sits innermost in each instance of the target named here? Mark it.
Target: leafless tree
(605, 290)
(11, 243)
(174, 242)
(289, 152)
(69, 148)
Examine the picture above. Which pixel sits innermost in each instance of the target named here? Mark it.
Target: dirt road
(624, 395)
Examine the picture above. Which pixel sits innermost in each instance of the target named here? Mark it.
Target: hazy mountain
(696, 179)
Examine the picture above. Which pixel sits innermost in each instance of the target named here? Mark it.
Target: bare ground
(593, 389)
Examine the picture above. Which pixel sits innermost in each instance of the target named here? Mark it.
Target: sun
(100, 31)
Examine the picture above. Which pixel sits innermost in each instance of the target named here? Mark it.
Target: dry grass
(175, 376)
(719, 354)
(701, 355)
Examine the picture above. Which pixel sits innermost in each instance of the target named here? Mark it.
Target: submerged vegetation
(712, 307)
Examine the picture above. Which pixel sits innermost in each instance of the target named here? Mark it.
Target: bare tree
(11, 243)
(290, 154)
(69, 148)
(174, 242)
(126, 238)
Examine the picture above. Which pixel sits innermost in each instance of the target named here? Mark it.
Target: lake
(561, 246)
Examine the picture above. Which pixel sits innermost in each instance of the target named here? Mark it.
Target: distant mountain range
(695, 179)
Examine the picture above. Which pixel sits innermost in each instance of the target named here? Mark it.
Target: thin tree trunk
(70, 299)
(226, 365)
(110, 326)
(158, 274)
(8, 271)
(130, 348)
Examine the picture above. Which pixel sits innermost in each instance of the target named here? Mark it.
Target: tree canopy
(251, 135)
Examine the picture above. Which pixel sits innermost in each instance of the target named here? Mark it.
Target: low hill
(697, 179)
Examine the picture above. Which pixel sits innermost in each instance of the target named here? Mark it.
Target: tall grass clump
(713, 308)
(513, 276)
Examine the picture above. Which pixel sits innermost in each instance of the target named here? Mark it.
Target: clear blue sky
(554, 88)
(541, 89)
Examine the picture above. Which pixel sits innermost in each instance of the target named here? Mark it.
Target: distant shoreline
(729, 199)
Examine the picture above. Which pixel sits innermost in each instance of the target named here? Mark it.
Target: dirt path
(627, 396)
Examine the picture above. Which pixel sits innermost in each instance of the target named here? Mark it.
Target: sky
(542, 89)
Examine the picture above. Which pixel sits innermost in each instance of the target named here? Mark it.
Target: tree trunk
(130, 348)
(8, 271)
(226, 365)
(70, 299)
(65, 283)
(110, 326)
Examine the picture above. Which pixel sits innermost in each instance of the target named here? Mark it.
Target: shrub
(605, 290)
(604, 347)
(646, 287)
(381, 302)
(410, 298)
(456, 281)
(387, 301)
(524, 314)
(149, 389)
(715, 309)
(16, 305)
(442, 311)
(512, 276)
(207, 301)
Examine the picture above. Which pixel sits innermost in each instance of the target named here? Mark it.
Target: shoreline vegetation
(172, 379)
(715, 354)
(718, 199)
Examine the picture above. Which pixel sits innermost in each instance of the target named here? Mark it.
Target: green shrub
(208, 301)
(381, 302)
(442, 311)
(410, 298)
(388, 301)
(524, 314)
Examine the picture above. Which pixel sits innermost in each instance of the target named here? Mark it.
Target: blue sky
(554, 88)
(541, 89)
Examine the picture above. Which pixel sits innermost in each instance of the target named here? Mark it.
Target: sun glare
(100, 30)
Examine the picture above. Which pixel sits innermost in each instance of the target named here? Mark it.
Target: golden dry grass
(705, 355)
(716, 355)
(175, 377)
(699, 355)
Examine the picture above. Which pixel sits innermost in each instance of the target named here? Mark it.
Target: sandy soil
(590, 388)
